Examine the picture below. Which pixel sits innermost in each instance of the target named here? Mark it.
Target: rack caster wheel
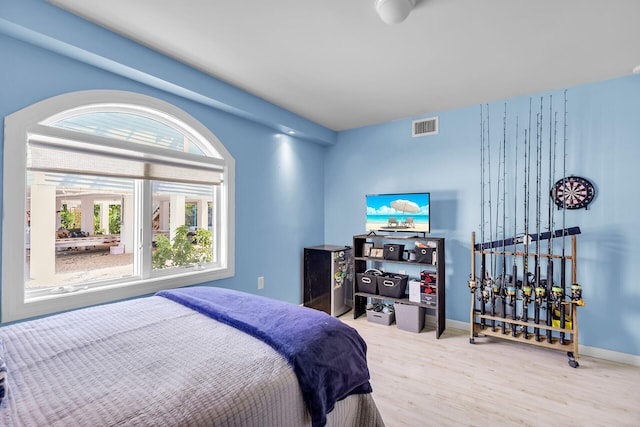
(572, 361)
(472, 341)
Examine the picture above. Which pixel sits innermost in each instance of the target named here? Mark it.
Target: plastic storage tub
(409, 317)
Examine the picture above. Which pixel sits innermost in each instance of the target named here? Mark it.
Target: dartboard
(573, 192)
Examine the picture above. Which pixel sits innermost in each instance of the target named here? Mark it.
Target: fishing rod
(510, 289)
(548, 282)
(563, 266)
(556, 292)
(483, 307)
(526, 276)
(526, 286)
(494, 285)
(514, 269)
(503, 278)
(576, 289)
(494, 271)
(538, 207)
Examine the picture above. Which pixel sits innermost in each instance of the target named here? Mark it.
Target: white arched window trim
(32, 122)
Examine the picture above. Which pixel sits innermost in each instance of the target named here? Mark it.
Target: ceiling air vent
(425, 127)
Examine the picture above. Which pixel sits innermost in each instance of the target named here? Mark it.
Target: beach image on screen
(398, 212)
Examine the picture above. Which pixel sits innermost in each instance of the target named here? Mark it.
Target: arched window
(109, 195)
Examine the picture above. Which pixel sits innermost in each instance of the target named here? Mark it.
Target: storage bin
(424, 255)
(380, 317)
(428, 277)
(392, 285)
(393, 252)
(409, 317)
(368, 281)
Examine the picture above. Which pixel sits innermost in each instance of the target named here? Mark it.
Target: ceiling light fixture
(394, 11)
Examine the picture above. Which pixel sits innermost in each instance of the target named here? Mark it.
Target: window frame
(16, 133)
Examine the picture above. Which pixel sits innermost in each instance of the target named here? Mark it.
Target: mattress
(153, 362)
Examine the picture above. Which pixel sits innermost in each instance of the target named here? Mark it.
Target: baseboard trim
(613, 356)
(585, 350)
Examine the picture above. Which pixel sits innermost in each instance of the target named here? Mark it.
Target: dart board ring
(573, 192)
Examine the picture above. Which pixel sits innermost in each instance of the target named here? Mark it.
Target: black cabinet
(432, 262)
(328, 279)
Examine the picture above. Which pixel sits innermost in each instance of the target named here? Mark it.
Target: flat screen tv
(398, 212)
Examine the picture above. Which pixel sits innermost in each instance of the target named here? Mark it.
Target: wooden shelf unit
(361, 263)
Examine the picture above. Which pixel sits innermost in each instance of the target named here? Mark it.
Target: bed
(199, 356)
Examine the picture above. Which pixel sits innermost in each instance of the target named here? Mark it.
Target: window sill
(14, 309)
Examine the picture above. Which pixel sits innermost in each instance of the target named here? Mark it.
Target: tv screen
(398, 212)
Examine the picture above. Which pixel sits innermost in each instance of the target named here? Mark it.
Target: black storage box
(367, 282)
(393, 252)
(430, 299)
(392, 285)
(424, 255)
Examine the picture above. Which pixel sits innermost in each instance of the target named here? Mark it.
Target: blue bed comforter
(328, 357)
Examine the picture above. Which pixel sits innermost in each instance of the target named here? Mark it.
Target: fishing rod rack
(491, 298)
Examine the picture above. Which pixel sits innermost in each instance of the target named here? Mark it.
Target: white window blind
(64, 151)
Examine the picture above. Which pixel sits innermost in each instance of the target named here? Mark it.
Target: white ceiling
(336, 63)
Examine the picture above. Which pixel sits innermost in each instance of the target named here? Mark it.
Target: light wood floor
(418, 380)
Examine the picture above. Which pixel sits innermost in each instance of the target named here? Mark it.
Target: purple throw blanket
(328, 357)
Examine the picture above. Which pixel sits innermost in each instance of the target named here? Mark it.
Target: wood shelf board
(521, 254)
(398, 300)
(523, 323)
(392, 237)
(554, 344)
(394, 261)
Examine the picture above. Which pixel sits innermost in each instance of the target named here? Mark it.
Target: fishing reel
(473, 285)
(557, 295)
(526, 293)
(530, 279)
(541, 293)
(576, 294)
(486, 294)
(511, 292)
(496, 288)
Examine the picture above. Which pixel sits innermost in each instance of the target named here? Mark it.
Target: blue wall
(603, 145)
(293, 192)
(279, 178)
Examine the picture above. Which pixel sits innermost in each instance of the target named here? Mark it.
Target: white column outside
(43, 229)
(203, 214)
(58, 213)
(127, 230)
(86, 220)
(104, 217)
(164, 215)
(176, 215)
